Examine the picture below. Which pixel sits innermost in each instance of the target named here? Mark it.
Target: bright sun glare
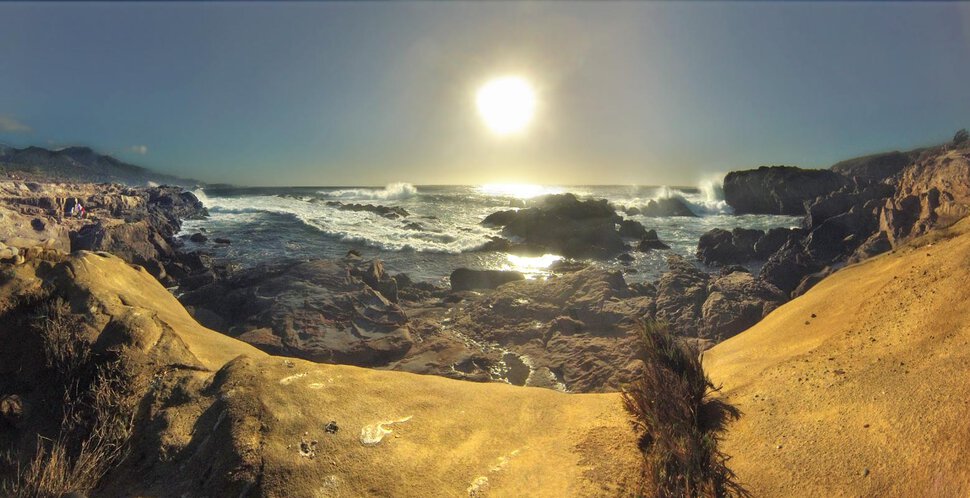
(518, 190)
(506, 104)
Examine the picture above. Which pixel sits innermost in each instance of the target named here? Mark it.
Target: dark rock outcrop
(389, 212)
(565, 225)
(778, 189)
(464, 279)
(719, 247)
(735, 302)
(666, 206)
(324, 311)
(877, 167)
(651, 241)
(576, 330)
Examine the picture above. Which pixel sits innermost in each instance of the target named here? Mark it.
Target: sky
(371, 93)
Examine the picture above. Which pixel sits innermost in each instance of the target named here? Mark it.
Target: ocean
(443, 229)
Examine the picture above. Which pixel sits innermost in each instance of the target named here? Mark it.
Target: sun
(506, 104)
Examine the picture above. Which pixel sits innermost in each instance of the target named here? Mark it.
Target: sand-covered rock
(217, 417)
(855, 388)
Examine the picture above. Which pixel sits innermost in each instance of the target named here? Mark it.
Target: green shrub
(680, 421)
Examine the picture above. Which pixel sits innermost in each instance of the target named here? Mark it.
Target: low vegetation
(681, 422)
(98, 408)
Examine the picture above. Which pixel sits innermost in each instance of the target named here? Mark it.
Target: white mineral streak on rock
(286, 380)
(374, 433)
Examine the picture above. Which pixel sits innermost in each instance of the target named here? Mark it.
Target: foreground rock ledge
(222, 418)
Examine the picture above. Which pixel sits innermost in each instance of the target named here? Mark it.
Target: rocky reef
(563, 224)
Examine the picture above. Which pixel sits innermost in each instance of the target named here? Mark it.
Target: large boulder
(681, 293)
(319, 310)
(137, 243)
(778, 189)
(667, 206)
(722, 247)
(565, 225)
(735, 302)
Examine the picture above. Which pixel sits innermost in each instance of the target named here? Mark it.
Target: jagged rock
(721, 247)
(667, 206)
(933, 191)
(810, 280)
(651, 241)
(786, 267)
(464, 279)
(389, 212)
(500, 218)
(874, 245)
(198, 237)
(137, 243)
(778, 189)
(581, 326)
(564, 225)
(773, 240)
(632, 229)
(320, 310)
(373, 274)
(735, 302)
(876, 167)
(681, 293)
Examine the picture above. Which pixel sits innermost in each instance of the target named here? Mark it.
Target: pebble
(865, 472)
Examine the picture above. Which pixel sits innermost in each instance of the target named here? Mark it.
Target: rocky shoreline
(575, 331)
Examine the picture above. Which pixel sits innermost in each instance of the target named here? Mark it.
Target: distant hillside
(80, 164)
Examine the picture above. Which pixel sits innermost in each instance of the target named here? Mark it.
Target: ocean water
(443, 229)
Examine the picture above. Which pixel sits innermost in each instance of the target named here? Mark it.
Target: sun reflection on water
(531, 267)
(518, 190)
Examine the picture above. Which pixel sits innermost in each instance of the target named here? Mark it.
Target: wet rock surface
(565, 225)
(326, 311)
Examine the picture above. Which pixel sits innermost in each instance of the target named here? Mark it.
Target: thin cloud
(9, 124)
(139, 149)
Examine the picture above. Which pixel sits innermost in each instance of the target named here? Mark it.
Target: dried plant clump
(681, 423)
(99, 405)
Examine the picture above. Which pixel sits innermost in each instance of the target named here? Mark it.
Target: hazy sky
(358, 94)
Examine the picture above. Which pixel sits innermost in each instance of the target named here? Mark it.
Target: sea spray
(393, 191)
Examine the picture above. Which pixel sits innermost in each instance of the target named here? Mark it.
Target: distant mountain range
(79, 164)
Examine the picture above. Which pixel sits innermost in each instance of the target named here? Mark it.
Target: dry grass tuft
(99, 406)
(680, 422)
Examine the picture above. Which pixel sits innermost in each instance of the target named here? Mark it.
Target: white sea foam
(393, 191)
(707, 200)
(361, 227)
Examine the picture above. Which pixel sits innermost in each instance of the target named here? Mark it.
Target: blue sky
(371, 93)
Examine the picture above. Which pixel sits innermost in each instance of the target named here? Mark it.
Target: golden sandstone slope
(221, 418)
(859, 387)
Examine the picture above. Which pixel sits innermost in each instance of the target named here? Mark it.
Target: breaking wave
(414, 233)
(393, 191)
